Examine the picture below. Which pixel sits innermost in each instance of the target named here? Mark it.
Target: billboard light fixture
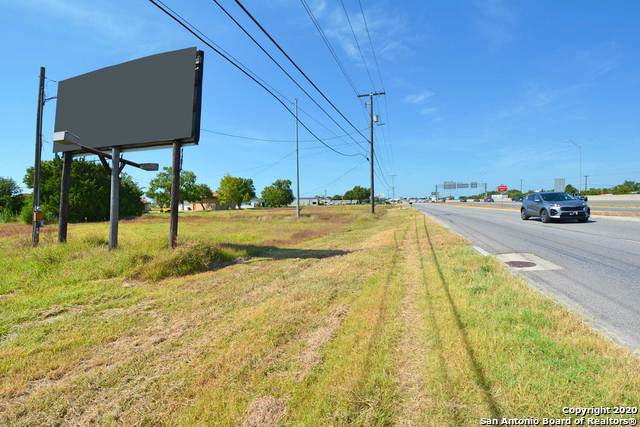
(150, 167)
(66, 137)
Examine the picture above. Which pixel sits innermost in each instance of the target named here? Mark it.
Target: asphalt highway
(595, 206)
(597, 264)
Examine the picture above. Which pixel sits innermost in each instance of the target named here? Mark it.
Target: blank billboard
(144, 103)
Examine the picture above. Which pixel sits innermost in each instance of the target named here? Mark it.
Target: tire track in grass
(437, 338)
(365, 397)
(479, 376)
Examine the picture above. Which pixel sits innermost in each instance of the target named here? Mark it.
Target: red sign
(502, 188)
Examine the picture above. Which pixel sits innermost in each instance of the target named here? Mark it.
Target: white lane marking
(481, 251)
(540, 264)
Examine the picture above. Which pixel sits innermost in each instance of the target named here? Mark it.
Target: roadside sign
(502, 188)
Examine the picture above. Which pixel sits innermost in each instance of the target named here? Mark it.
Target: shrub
(6, 216)
(26, 213)
(188, 259)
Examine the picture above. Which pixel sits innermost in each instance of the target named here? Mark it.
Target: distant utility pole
(36, 219)
(297, 166)
(586, 177)
(579, 159)
(436, 191)
(485, 190)
(371, 156)
(393, 186)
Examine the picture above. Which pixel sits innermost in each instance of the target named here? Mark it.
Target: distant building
(253, 203)
(308, 201)
(206, 204)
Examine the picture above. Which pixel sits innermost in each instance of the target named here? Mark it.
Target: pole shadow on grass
(436, 332)
(480, 377)
(277, 253)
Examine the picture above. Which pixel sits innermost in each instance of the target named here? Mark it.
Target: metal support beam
(105, 165)
(175, 195)
(63, 214)
(114, 205)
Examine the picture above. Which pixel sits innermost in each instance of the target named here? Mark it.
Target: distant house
(206, 204)
(253, 203)
(307, 201)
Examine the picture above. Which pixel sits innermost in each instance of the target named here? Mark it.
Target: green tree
(336, 197)
(278, 194)
(626, 187)
(571, 189)
(89, 191)
(160, 187)
(357, 193)
(11, 199)
(234, 190)
(514, 193)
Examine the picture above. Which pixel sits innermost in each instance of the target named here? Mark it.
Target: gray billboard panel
(558, 184)
(144, 103)
(462, 185)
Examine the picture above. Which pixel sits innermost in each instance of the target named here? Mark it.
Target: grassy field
(338, 318)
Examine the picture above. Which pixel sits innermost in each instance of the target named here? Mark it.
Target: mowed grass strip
(496, 348)
(339, 318)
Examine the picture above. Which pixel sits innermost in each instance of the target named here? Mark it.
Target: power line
(373, 51)
(329, 46)
(235, 21)
(268, 139)
(183, 22)
(364, 61)
(316, 23)
(296, 66)
(338, 178)
(377, 64)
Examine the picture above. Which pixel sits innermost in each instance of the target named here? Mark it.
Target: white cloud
(496, 23)
(93, 15)
(386, 29)
(428, 111)
(418, 98)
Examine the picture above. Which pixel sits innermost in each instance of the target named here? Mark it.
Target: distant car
(558, 205)
(517, 199)
(463, 199)
(488, 200)
(580, 197)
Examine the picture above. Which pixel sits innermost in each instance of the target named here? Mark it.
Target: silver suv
(550, 206)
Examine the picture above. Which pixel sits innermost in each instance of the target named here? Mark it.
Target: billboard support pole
(114, 205)
(67, 158)
(175, 195)
(37, 214)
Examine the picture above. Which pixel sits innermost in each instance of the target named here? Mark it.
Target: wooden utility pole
(36, 219)
(371, 155)
(175, 194)
(297, 166)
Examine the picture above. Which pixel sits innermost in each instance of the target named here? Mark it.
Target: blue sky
(486, 91)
